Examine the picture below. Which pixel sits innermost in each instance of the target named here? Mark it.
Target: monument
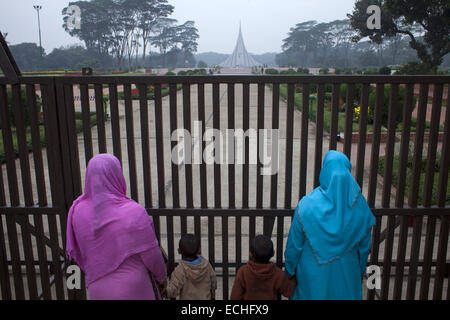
(240, 56)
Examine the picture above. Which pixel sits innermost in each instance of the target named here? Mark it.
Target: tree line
(411, 31)
(125, 28)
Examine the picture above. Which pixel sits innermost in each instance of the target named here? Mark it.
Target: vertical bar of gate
(68, 109)
(319, 133)
(231, 184)
(441, 258)
(361, 153)
(143, 107)
(304, 141)
(393, 104)
(27, 189)
(57, 154)
(188, 154)
(260, 150)
(231, 147)
(188, 144)
(275, 127)
(245, 170)
(428, 190)
(217, 183)
(373, 176)
(334, 116)
(73, 142)
(173, 128)
(246, 125)
(60, 113)
(159, 155)
(441, 198)
(100, 114)
(86, 116)
(260, 147)
(218, 147)
(41, 189)
(13, 193)
(130, 141)
(53, 153)
(22, 144)
(203, 173)
(401, 185)
(175, 177)
(115, 122)
(289, 145)
(268, 227)
(349, 120)
(280, 238)
(5, 283)
(414, 191)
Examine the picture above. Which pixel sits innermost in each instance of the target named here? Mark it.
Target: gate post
(62, 171)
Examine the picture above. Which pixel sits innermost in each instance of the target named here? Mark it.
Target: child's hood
(197, 272)
(262, 271)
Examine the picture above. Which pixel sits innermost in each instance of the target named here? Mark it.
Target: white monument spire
(240, 57)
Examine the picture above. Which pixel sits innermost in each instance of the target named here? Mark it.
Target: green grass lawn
(395, 172)
(150, 93)
(78, 125)
(341, 116)
(327, 113)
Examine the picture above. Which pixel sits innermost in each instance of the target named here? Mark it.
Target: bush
(414, 68)
(384, 70)
(26, 110)
(290, 71)
(271, 71)
(202, 64)
(395, 172)
(303, 70)
(370, 71)
(324, 71)
(385, 107)
(192, 72)
(170, 73)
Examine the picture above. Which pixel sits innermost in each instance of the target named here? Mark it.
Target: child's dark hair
(189, 245)
(261, 248)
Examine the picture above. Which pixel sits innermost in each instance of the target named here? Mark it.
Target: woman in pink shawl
(112, 238)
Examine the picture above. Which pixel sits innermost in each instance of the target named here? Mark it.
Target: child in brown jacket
(194, 277)
(261, 279)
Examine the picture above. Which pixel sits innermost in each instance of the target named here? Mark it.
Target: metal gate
(46, 151)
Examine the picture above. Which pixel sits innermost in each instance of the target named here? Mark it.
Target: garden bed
(78, 126)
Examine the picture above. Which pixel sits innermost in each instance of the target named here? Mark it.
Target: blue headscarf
(335, 217)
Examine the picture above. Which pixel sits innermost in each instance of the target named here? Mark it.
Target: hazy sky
(265, 23)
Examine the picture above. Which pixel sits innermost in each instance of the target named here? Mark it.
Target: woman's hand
(162, 286)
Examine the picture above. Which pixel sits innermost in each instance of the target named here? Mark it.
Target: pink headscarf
(104, 227)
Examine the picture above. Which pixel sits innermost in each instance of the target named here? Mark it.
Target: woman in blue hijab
(330, 236)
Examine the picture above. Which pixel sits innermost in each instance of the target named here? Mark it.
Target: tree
(95, 29)
(187, 37)
(202, 64)
(300, 43)
(148, 15)
(166, 36)
(27, 56)
(424, 22)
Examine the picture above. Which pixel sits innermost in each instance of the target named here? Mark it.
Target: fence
(45, 164)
